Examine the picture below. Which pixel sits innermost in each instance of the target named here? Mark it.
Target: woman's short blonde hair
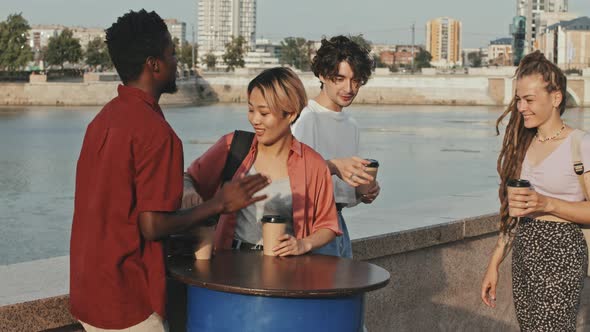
(282, 90)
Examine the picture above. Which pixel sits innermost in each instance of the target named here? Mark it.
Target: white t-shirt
(332, 135)
(279, 201)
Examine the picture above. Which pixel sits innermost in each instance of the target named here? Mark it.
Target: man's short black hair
(338, 49)
(132, 39)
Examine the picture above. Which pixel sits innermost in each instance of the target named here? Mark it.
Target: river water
(424, 151)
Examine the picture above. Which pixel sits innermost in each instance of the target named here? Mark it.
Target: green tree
(15, 52)
(422, 59)
(210, 60)
(63, 48)
(475, 59)
(97, 53)
(295, 51)
(185, 54)
(234, 53)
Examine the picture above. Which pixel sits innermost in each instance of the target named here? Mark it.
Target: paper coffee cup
(372, 169)
(273, 227)
(511, 185)
(203, 247)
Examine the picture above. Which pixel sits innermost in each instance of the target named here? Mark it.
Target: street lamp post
(413, 45)
(193, 47)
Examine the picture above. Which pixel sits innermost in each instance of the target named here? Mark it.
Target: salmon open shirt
(309, 177)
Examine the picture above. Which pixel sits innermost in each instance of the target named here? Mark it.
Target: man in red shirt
(129, 184)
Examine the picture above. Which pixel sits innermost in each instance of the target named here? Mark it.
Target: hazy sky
(382, 21)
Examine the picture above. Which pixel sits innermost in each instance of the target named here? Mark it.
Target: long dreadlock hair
(517, 138)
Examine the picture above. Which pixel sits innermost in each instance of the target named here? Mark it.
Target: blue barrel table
(239, 290)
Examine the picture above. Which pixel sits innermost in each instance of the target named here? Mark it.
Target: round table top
(252, 273)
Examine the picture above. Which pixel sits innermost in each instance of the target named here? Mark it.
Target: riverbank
(459, 90)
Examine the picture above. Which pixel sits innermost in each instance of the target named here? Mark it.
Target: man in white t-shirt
(342, 67)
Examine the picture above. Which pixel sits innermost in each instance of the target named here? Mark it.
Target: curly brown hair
(338, 49)
(517, 137)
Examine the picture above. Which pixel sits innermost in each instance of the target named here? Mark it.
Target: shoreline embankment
(387, 89)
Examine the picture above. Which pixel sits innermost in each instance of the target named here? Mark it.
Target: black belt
(241, 245)
(340, 206)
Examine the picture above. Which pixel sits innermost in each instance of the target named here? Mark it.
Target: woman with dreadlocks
(550, 257)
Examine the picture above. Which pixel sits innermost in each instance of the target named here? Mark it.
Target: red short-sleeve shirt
(131, 161)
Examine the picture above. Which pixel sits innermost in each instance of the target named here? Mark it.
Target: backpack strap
(240, 145)
(577, 136)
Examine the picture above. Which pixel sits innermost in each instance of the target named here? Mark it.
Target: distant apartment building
(404, 54)
(547, 19)
(531, 11)
(39, 35)
(378, 48)
(273, 48)
(219, 20)
(86, 35)
(260, 59)
(177, 30)
(470, 56)
(265, 54)
(567, 43)
(500, 52)
(400, 55)
(443, 41)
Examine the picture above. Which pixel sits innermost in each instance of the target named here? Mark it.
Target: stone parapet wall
(95, 93)
(436, 274)
(397, 90)
(39, 315)
(228, 88)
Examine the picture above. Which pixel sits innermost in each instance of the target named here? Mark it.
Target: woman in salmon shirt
(549, 256)
(300, 183)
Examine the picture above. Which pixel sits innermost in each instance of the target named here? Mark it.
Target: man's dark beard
(170, 87)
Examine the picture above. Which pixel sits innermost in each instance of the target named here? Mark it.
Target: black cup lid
(519, 183)
(372, 163)
(274, 219)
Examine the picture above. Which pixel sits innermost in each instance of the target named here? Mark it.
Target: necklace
(545, 139)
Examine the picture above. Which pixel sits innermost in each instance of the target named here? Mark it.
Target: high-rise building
(531, 10)
(177, 29)
(443, 41)
(220, 20)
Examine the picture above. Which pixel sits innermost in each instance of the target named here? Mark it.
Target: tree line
(296, 52)
(16, 52)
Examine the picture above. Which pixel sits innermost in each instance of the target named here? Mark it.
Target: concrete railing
(436, 274)
(481, 90)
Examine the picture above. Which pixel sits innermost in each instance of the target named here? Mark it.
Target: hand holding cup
(273, 227)
(371, 168)
(516, 206)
